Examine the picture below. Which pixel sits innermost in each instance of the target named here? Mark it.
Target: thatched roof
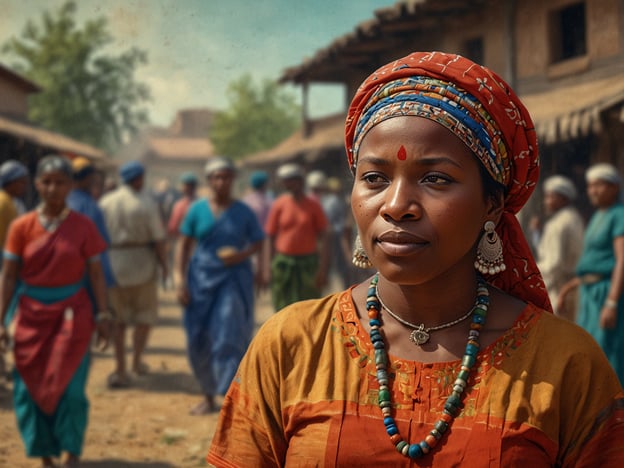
(573, 111)
(376, 36)
(18, 80)
(47, 139)
(325, 134)
(559, 114)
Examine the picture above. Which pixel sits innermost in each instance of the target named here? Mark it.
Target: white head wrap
(289, 170)
(561, 185)
(603, 171)
(316, 180)
(217, 164)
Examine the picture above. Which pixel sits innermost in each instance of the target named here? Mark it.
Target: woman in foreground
(449, 355)
(49, 255)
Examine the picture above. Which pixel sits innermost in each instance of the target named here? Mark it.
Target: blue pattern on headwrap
(440, 101)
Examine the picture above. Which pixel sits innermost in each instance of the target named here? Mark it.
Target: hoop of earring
(360, 259)
(490, 251)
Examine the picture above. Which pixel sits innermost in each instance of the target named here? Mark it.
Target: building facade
(22, 140)
(565, 58)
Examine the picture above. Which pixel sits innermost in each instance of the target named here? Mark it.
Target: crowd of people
(414, 320)
(92, 262)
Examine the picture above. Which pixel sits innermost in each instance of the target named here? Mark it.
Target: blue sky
(196, 47)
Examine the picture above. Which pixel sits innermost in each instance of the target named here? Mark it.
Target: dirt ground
(146, 425)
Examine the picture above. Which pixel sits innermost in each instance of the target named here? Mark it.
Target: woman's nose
(401, 202)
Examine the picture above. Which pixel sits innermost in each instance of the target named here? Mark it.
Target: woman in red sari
(49, 256)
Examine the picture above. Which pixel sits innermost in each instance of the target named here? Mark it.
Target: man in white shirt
(561, 241)
(138, 248)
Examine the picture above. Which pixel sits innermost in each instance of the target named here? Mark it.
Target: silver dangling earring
(360, 259)
(490, 252)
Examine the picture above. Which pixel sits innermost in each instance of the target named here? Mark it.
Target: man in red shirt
(188, 185)
(188, 181)
(297, 243)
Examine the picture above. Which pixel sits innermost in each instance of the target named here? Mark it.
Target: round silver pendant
(419, 337)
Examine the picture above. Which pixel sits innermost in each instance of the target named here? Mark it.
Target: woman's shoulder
(25, 221)
(616, 215)
(198, 204)
(616, 210)
(561, 352)
(288, 200)
(86, 224)
(557, 338)
(301, 319)
(77, 217)
(282, 199)
(242, 208)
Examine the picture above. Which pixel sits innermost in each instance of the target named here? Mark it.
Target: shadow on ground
(151, 350)
(164, 350)
(167, 382)
(170, 321)
(113, 463)
(6, 396)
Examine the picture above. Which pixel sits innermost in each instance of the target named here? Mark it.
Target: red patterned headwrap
(479, 108)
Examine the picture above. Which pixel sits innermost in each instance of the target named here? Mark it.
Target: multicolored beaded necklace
(453, 404)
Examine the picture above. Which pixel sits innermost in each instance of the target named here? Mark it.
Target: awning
(326, 134)
(573, 111)
(48, 139)
(560, 114)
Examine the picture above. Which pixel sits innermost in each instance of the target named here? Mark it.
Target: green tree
(86, 94)
(258, 117)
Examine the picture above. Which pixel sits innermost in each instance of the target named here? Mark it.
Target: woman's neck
(434, 303)
(223, 200)
(606, 206)
(442, 300)
(52, 210)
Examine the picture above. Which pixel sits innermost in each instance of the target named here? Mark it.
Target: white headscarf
(603, 171)
(289, 170)
(217, 164)
(561, 185)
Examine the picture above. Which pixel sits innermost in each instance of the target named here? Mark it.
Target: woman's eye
(372, 178)
(437, 179)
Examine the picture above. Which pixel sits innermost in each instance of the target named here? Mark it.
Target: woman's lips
(400, 243)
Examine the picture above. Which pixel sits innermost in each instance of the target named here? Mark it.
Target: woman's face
(53, 187)
(418, 199)
(220, 182)
(554, 201)
(602, 194)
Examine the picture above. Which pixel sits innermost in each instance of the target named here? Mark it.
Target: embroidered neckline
(50, 224)
(346, 314)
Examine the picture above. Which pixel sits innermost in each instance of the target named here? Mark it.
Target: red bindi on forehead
(402, 153)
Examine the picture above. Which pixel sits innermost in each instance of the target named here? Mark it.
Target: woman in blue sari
(216, 282)
(600, 270)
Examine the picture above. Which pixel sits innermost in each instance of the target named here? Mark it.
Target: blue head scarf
(258, 179)
(130, 171)
(12, 170)
(188, 178)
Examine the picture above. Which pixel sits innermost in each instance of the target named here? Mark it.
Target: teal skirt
(49, 435)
